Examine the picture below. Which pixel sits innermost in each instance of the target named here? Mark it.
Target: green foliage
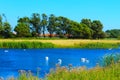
(118, 38)
(44, 23)
(97, 45)
(5, 28)
(114, 33)
(25, 45)
(60, 26)
(35, 21)
(97, 73)
(22, 30)
(51, 25)
(109, 59)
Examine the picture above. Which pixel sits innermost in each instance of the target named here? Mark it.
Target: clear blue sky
(107, 11)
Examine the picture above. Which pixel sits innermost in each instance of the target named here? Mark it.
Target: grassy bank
(71, 43)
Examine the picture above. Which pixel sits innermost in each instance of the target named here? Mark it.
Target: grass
(109, 72)
(58, 43)
(26, 44)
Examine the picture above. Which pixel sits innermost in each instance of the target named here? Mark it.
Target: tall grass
(98, 45)
(110, 70)
(110, 59)
(97, 73)
(25, 45)
(38, 43)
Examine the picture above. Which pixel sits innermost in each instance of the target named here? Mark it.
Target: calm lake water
(12, 60)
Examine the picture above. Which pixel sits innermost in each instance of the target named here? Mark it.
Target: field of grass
(58, 43)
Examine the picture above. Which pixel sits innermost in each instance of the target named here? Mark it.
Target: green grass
(25, 45)
(99, 45)
(58, 43)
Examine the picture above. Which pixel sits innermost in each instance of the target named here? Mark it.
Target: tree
(76, 30)
(114, 33)
(44, 23)
(52, 24)
(6, 30)
(63, 24)
(86, 31)
(22, 30)
(25, 20)
(87, 22)
(1, 27)
(35, 22)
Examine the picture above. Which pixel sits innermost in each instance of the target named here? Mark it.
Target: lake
(13, 60)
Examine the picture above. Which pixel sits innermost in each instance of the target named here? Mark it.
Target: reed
(109, 72)
(26, 44)
(68, 43)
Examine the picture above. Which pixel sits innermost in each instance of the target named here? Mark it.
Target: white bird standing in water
(87, 61)
(83, 60)
(6, 51)
(46, 58)
(60, 61)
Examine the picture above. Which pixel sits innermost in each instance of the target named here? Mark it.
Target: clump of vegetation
(109, 60)
(26, 45)
(57, 26)
(109, 70)
(98, 45)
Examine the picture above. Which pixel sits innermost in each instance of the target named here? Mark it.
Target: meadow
(58, 43)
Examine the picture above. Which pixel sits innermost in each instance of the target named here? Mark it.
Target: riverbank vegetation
(60, 43)
(110, 71)
(43, 26)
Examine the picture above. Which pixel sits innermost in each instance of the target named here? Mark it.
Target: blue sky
(107, 11)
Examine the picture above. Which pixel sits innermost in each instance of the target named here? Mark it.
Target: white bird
(87, 61)
(46, 58)
(59, 61)
(6, 51)
(24, 49)
(110, 48)
(83, 60)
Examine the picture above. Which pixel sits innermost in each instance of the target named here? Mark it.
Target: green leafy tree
(22, 30)
(1, 27)
(52, 25)
(63, 24)
(25, 20)
(76, 30)
(44, 23)
(87, 22)
(114, 33)
(86, 31)
(97, 27)
(7, 30)
(35, 22)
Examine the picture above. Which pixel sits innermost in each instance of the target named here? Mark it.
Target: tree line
(55, 26)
